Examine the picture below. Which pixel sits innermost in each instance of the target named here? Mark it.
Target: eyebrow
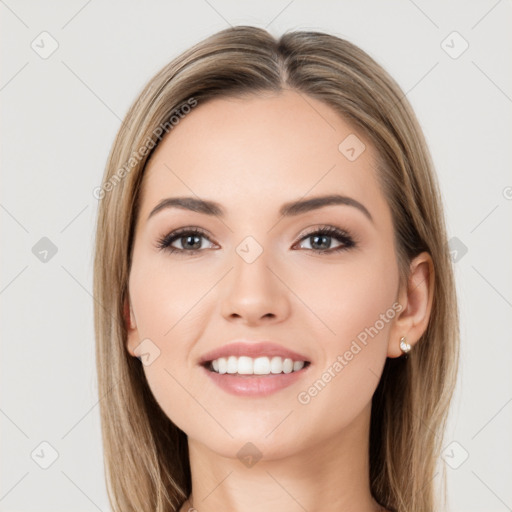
(287, 210)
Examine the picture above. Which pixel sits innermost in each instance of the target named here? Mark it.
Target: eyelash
(347, 240)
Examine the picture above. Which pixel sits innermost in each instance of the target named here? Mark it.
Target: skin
(251, 155)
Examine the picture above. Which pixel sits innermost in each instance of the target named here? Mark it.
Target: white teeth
(223, 365)
(287, 366)
(255, 366)
(276, 365)
(261, 366)
(245, 365)
(232, 365)
(297, 365)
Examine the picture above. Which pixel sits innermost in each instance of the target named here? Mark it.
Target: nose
(254, 293)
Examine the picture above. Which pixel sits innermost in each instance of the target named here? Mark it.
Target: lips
(253, 350)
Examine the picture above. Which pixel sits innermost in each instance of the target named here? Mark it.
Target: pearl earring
(404, 346)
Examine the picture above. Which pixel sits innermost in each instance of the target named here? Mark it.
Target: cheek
(355, 308)
(166, 294)
(348, 297)
(170, 300)
(357, 305)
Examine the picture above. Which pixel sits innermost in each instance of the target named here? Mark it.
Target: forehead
(248, 152)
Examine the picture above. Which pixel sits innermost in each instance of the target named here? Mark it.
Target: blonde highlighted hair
(146, 455)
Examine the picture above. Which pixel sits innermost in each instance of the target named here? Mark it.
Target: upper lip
(252, 349)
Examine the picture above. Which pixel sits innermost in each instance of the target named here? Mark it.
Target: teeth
(261, 366)
(245, 365)
(255, 366)
(276, 365)
(232, 366)
(298, 365)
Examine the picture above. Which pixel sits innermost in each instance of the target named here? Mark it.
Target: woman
(275, 313)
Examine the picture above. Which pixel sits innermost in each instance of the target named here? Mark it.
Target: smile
(245, 365)
(239, 375)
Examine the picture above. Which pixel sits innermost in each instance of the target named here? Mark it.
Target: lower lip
(254, 385)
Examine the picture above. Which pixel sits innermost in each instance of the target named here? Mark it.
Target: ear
(131, 328)
(416, 298)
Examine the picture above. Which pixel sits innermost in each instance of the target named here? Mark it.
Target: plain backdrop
(69, 72)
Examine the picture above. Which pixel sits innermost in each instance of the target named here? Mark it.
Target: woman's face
(256, 273)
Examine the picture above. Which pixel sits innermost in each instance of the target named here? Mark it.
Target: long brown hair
(146, 455)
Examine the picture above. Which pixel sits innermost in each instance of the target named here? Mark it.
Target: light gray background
(59, 117)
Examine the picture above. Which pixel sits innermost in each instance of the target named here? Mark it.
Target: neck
(330, 475)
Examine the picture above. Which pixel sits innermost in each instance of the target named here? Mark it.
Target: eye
(321, 240)
(190, 240)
